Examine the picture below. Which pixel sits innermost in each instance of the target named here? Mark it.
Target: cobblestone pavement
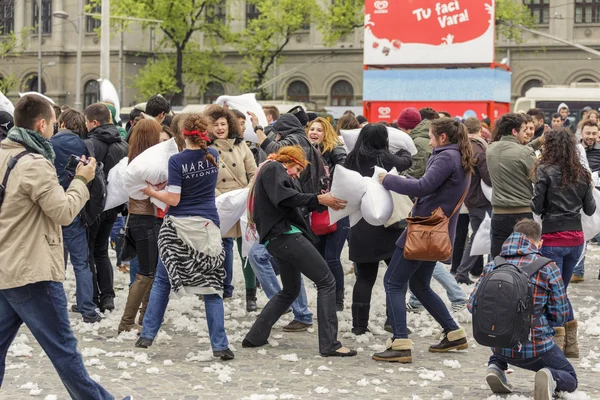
(180, 364)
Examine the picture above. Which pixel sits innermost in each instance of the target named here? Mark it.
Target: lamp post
(79, 30)
(39, 82)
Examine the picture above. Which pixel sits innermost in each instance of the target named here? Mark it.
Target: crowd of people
(55, 163)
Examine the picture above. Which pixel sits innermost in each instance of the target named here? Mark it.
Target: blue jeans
(416, 274)
(445, 278)
(157, 305)
(75, 244)
(134, 269)
(117, 235)
(330, 246)
(566, 259)
(580, 267)
(261, 263)
(228, 265)
(554, 359)
(42, 306)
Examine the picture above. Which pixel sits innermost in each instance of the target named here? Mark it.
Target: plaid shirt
(550, 297)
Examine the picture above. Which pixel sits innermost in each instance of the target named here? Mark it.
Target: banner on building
(429, 32)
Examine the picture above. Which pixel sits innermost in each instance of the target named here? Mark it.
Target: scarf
(33, 141)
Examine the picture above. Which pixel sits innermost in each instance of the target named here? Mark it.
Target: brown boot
(144, 305)
(397, 350)
(571, 343)
(134, 300)
(559, 337)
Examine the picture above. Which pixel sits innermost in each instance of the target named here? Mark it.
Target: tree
(157, 77)
(515, 13)
(12, 45)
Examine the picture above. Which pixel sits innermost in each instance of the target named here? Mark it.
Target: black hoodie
(107, 146)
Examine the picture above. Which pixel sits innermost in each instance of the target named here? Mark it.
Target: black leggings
(143, 230)
(366, 275)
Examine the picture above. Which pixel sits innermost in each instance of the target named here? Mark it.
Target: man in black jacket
(109, 148)
(539, 121)
(589, 139)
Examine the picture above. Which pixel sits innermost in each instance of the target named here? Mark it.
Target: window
(251, 12)
(298, 91)
(540, 9)
(46, 15)
(91, 92)
(7, 16)
(30, 84)
(212, 92)
(342, 94)
(217, 12)
(587, 11)
(530, 84)
(91, 23)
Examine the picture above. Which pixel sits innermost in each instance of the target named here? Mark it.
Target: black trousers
(144, 230)
(102, 268)
(502, 226)
(460, 240)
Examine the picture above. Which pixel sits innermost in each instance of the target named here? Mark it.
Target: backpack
(94, 208)
(504, 304)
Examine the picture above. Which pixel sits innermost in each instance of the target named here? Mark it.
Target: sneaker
(466, 281)
(92, 320)
(224, 355)
(458, 307)
(544, 385)
(296, 326)
(128, 398)
(107, 304)
(496, 380)
(414, 309)
(577, 279)
(143, 343)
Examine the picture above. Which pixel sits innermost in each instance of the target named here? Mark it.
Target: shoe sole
(403, 360)
(297, 330)
(543, 385)
(459, 347)
(496, 384)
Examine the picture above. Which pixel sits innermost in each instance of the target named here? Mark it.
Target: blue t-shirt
(195, 178)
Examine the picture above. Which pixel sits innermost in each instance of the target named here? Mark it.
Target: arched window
(530, 84)
(298, 91)
(586, 80)
(342, 94)
(7, 16)
(212, 92)
(91, 92)
(30, 84)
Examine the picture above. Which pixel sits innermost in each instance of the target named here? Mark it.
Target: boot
(137, 291)
(397, 350)
(339, 300)
(360, 318)
(145, 305)
(559, 337)
(571, 343)
(451, 340)
(251, 300)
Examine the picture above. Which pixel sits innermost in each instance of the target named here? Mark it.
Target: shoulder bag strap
(12, 162)
(462, 198)
(536, 265)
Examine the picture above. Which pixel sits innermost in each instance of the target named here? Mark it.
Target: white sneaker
(544, 385)
(458, 307)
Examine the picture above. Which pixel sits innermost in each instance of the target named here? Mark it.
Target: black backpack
(504, 304)
(94, 208)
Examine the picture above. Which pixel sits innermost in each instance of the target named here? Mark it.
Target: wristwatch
(258, 128)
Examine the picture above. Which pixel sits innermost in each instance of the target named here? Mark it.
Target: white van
(577, 96)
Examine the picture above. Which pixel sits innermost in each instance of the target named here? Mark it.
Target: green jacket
(510, 164)
(420, 136)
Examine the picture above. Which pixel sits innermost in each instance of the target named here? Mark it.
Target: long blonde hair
(330, 137)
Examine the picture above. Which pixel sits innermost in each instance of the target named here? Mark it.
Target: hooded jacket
(566, 121)
(108, 146)
(420, 136)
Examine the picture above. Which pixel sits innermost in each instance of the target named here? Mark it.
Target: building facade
(309, 71)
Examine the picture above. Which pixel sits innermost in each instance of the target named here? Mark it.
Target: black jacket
(560, 206)
(337, 156)
(593, 156)
(279, 203)
(539, 132)
(109, 148)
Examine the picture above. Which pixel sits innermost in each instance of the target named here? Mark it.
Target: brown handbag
(428, 238)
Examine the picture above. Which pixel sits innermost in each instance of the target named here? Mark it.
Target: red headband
(196, 132)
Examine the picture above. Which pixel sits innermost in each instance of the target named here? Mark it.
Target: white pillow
(482, 242)
(116, 194)
(244, 103)
(231, 206)
(376, 205)
(350, 186)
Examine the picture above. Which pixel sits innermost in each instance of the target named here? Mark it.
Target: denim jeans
(502, 227)
(554, 359)
(416, 274)
(157, 305)
(100, 264)
(42, 306)
(75, 244)
(476, 217)
(566, 259)
(330, 247)
(580, 267)
(261, 262)
(453, 291)
(296, 255)
(134, 269)
(228, 265)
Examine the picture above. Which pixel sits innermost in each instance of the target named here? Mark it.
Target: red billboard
(388, 111)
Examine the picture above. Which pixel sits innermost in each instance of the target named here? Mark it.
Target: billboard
(388, 111)
(429, 32)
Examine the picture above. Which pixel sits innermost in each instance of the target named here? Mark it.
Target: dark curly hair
(215, 111)
(198, 122)
(560, 149)
(505, 124)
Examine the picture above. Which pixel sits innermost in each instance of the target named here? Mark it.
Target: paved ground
(180, 365)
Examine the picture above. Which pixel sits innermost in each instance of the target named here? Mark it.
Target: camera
(72, 163)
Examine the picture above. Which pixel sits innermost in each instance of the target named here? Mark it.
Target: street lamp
(79, 31)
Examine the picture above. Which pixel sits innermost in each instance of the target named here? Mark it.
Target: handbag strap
(462, 199)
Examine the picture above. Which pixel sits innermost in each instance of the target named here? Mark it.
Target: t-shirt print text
(198, 169)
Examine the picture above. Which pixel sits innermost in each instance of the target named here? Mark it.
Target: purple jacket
(442, 185)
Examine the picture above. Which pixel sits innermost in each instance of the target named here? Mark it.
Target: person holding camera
(33, 207)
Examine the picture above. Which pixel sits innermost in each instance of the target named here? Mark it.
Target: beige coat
(236, 169)
(35, 206)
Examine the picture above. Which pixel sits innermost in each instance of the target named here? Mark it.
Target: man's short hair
(428, 113)
(97, 112)
(156, 105)
(272, 111)
(527, 118)
(539, 114)
(529, 228)
(73, 120)
(506, 123)
(589, 122)
(134, 113)
(556, 116)
(30, 109)
(473, 125)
